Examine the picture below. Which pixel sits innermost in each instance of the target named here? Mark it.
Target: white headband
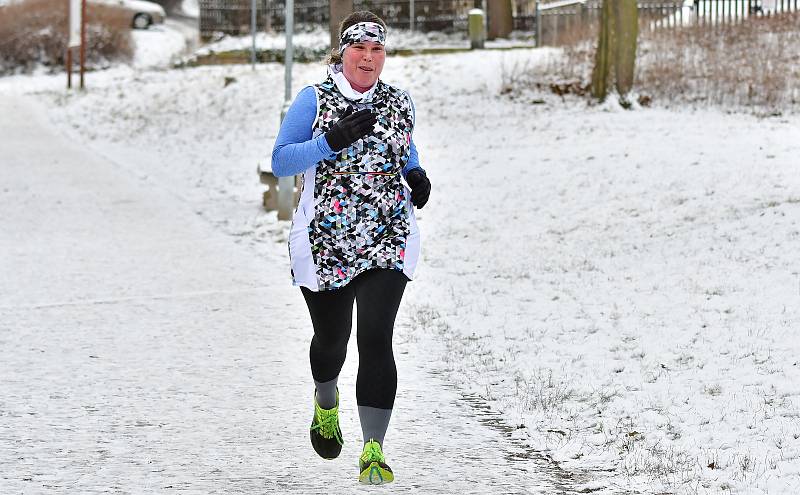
(361, 32)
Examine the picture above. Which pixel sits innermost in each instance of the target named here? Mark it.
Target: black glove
(420, 187)
(350, 128)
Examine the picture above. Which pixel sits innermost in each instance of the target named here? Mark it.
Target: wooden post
(83, 40)
(269, 199)
(76, 36)
(253, 29)
(538, 19)
(69, 67)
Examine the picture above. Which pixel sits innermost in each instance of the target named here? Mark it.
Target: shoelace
(372, 452)
(328, 426)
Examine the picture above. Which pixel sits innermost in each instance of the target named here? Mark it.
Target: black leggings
(378, 293)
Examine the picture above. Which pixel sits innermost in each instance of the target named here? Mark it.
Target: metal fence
(562, 22)
(714, 12)
(233, 16)
(554, 21)
(229, 17)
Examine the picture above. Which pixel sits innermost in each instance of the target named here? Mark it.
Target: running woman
(354, 236)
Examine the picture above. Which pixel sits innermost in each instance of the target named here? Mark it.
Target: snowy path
(143, 351)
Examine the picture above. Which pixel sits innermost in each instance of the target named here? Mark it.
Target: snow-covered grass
(316, 39)
(622, 285)
(158, 46)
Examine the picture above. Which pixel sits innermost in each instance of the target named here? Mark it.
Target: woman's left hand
(420, 187)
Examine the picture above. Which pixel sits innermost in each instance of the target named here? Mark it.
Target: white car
(143, 13)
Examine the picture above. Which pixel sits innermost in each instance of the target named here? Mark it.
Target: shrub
(753, 64)
(34, 33)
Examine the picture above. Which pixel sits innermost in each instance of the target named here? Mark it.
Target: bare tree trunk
(501, 21)
(626, 29)
(616, 49)
(603, 56)
(339, 10)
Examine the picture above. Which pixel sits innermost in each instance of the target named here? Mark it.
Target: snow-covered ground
(316, 38)
(161, 45)
(623, 286)
(191, 8)
(145, 351)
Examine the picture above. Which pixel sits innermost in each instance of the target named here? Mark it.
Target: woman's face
(363, 62)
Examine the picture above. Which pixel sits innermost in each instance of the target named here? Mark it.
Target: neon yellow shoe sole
(375, 474)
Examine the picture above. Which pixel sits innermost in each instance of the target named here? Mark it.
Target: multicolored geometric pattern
(361, 213)
(361, 32)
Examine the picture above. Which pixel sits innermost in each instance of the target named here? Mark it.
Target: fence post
(286, 184)
(538, 19)
(477, 35)
(554, 36)
(253, 29)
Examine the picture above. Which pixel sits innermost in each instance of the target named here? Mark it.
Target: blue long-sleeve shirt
(296, 150)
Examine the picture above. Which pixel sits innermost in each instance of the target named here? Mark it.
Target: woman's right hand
(350, 128)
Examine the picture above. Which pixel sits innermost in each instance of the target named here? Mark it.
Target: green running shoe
(372, 463)
(326, 436)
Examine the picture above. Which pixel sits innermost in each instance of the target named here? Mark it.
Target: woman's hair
(334, 57)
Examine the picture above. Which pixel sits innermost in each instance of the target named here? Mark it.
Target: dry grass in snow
(752, 66)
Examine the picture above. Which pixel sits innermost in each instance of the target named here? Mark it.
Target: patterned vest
(360, 208)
